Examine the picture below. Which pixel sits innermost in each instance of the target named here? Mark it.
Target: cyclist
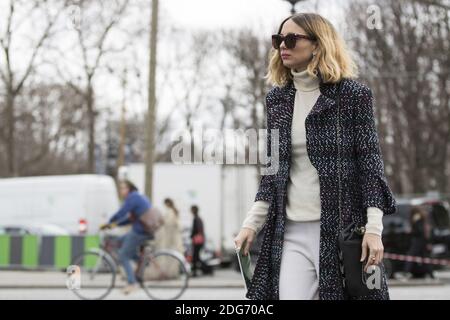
(135, 204)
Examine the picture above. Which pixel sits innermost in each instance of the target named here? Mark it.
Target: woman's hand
(373, 246)
(246, 235)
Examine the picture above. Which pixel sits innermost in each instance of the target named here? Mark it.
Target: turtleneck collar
(303, 81)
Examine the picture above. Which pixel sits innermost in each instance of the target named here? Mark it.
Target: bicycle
(162, 274)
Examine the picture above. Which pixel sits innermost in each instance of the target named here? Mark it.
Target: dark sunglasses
(290, 40)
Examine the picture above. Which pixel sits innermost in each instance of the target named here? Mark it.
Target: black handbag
(350, 240)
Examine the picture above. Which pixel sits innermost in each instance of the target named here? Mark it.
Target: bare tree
(13, 77)
(93, 27)
(444, 4)
(49, 123)
(249, 53)
(406, 62)
(187, 80)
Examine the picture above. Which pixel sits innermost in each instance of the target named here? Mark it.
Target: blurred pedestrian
(168, 236)
(174, 239)
(419, 240)
(198, 240)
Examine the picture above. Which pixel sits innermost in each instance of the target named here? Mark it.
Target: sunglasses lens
(290, 41)
(276, 41)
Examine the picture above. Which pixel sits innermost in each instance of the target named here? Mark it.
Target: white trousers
(299, 270)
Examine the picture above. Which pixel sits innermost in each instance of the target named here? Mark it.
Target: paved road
(225, 284)
(64, 294)
(438, 292)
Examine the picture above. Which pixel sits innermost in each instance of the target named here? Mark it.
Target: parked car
(396, 232)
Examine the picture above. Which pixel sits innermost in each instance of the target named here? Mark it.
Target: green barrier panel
(30, 251)
(63, 251)
(91, 242)
(4, 249)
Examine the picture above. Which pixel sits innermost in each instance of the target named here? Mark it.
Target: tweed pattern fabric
(362, 176)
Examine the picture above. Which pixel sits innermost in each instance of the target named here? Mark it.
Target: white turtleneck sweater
(303, 199)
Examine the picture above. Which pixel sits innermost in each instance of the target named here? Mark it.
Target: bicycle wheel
(97, 275)
(164, 276)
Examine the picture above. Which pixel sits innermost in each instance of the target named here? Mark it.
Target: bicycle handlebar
(108, 226)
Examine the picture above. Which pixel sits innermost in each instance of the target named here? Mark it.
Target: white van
(76, 203)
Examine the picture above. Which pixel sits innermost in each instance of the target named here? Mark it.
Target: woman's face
(299, 57)
(123, 190)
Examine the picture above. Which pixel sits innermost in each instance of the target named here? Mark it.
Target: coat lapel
(326, 100)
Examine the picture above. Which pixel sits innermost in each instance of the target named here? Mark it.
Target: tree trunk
(91, 129)
(11, 162)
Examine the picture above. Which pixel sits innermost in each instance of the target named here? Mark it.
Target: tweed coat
(362, 179)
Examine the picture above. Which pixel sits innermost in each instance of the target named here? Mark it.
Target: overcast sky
(224, 13)
(235, 13)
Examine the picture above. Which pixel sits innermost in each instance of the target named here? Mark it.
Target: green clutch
(245, 265)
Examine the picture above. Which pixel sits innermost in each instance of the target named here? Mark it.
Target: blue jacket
(135, 203)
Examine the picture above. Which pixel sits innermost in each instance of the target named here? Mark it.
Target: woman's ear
(316, 48)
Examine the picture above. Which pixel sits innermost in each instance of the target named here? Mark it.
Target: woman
(172, 227)
(135, 204)
(168, 236)
(419, 239)
(298, 204)
(198, 240)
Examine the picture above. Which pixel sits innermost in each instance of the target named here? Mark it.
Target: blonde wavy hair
(332, 60)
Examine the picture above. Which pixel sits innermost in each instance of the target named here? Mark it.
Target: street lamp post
(293, 3)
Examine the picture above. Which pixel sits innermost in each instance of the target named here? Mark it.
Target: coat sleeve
(265, 189)
(374, 187)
